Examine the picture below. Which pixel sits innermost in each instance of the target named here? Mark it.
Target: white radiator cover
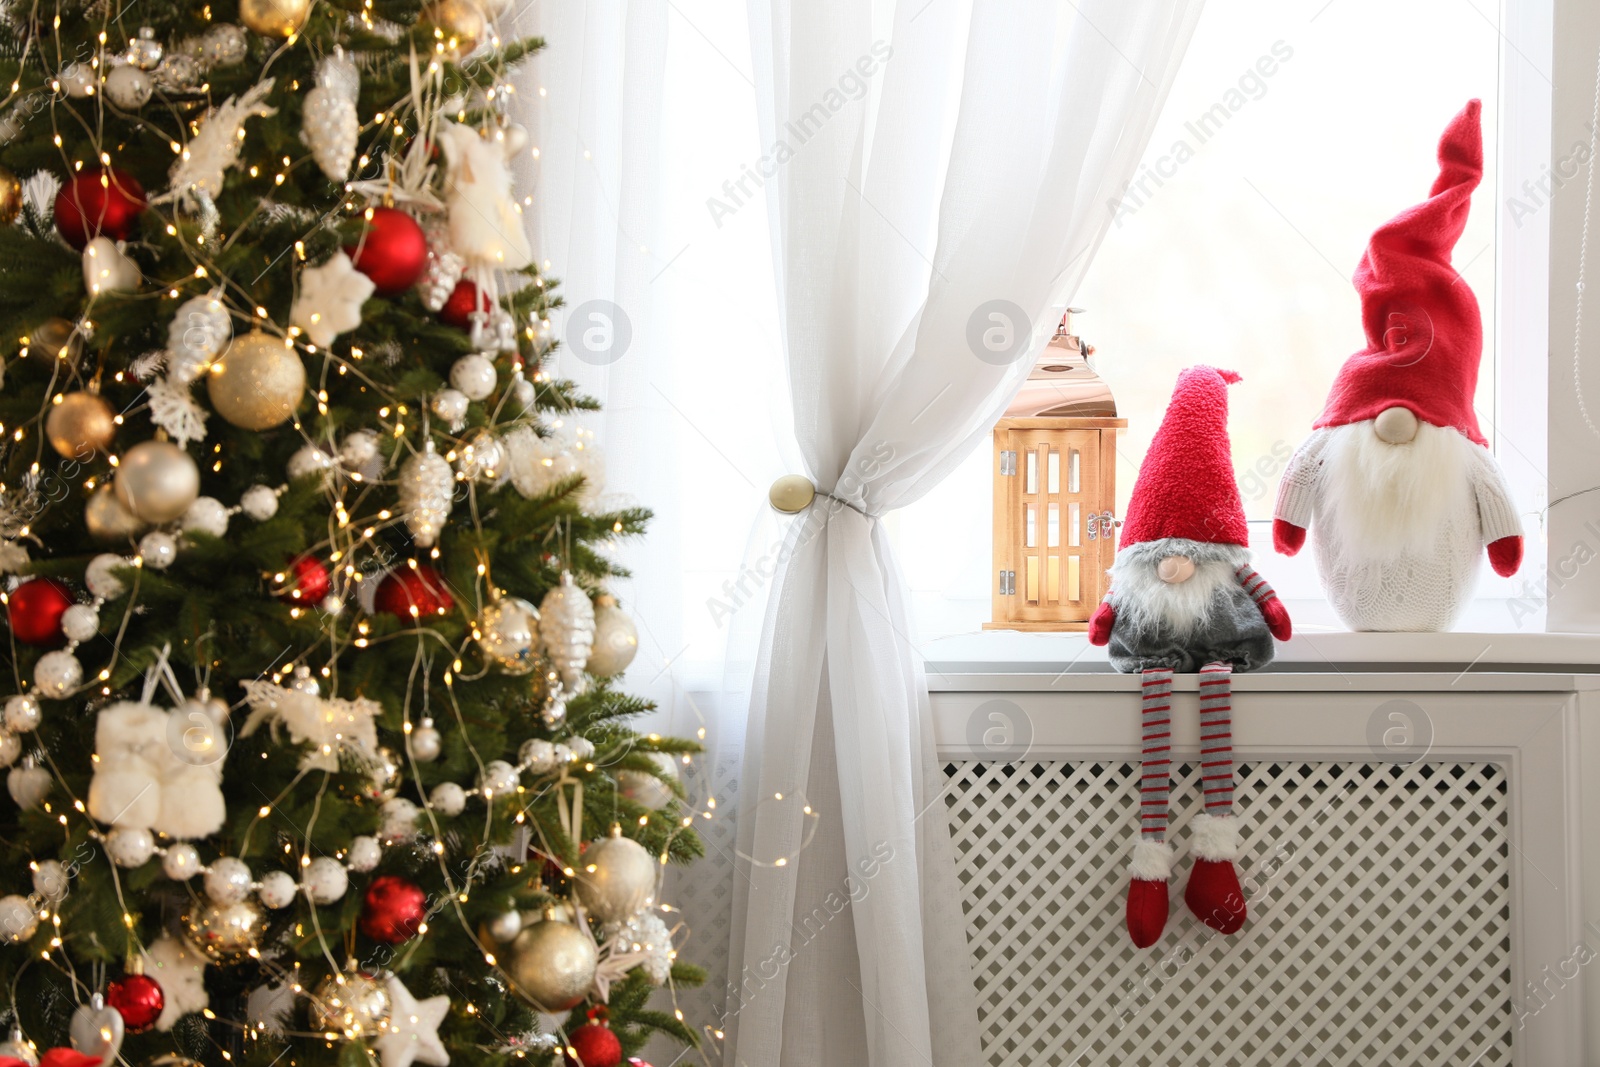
(1412, 863)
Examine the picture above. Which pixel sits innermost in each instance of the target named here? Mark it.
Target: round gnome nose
(1175, 569)
(1396, 425)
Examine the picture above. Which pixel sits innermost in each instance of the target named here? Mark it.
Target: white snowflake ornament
(330, 299)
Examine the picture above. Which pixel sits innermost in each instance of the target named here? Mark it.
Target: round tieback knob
(792, 494)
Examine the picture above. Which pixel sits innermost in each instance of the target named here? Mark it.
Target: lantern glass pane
(1074, 523)
(1072, 472)
(1053, 531)
(1055, 470)
(1033, 474)
(1054, 568)
(1033, 579)
(1074, 578)
(1033, 521)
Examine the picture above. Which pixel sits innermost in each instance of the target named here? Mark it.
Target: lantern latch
(1008, 462)
(1008, 581)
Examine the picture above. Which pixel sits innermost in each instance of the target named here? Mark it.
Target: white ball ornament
(505, 927)
(325, 880)
(278, 890)
(77, 80)
(18, 920)
(100, 576)
(23, 714)
(474, 376)
(647, 789)
(80, 622)
(359, 451)
(399, 819)
(201, 328)
(207, 515)
(450, 405)
(28, 784)
(228, 881)
(365, 852)
(50, 880)
(157, 481)
(616, 640)
(10, 748)
(617, 879)
(448, 799)
(181, 863)
(57, 674)
(309, 461)
(158, 549)
(130, 846)
(498, 779)
(426, 743)
(129, 87)
(259, 502)
(581, 747)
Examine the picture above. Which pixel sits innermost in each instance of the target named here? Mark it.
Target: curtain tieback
(794, 493)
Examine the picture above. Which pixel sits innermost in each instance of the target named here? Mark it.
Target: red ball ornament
(35, 609)
(407, 593)
(393, 909)
(457, 310)
(308, 581)
(595, 1045)
(138, 999)
(105, 202)
(394, 251)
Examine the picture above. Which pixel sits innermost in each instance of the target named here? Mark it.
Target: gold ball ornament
(617, 879)
(458, 25)
(225, 933)
(257, 383)
(80, 425)
(274, 18)
(10, 197)
(553, 964)
(353, 1004)
(108, 518)
(157, 481)
(55, 339)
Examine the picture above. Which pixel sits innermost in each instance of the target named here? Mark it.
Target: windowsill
(1310, 651)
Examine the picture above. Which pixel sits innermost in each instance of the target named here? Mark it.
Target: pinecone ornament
(566, 629)
(427, 489)
(331, 126)
(444, 268)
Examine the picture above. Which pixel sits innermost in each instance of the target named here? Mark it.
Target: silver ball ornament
(504, 928)
(616, 640)
(225, 45)
(207, 515)
(277, 890)
(259, 502)
(426, 742)
(157, 481)
(481, 458)
(385, 770)
(508, 634)
(497, 779)
(538, 756)
(129, 87)
(450, 406)
(28, 783)
(178, 73)
(80, 623)
(325, 880)
(101, 578)
(352, 1004)
(18, 919)
(474, 376)
(181, 863)
(365, 852)
(224, 933)
(50, 880)
(144, 51)
(448, 799)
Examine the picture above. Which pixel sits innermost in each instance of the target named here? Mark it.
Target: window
(1292, 131)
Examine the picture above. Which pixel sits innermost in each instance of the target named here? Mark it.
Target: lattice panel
(1378, 932)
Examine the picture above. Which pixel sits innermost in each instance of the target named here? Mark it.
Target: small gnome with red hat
(1184, 597)
(1396, 481)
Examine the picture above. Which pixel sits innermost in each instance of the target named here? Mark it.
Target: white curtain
(938, 176)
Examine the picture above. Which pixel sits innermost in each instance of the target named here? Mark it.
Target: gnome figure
(1184, 597)
(1396, 480)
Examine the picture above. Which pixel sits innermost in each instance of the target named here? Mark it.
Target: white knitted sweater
(1417, 590)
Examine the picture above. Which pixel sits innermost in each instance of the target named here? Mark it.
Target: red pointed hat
(1424, 334)
(1186, 486)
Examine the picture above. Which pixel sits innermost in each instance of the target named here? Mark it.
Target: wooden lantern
(1055, 492)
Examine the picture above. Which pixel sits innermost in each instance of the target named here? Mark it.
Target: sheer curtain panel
(938, 175)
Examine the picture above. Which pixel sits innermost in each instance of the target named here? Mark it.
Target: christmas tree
(314, 753)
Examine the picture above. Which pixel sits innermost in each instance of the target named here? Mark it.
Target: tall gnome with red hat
(1184, 597)
(1396, 480)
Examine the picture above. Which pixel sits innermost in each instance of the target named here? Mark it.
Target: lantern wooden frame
(1054, 520)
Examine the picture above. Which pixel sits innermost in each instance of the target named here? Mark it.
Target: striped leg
(1152, 856)
(1213, 893)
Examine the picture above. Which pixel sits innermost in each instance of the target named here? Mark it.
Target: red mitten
(1287, 538)
(1100, 623)
(1505, 556)
(1277, 617)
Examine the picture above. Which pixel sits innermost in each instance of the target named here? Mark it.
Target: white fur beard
(1390, 500)
(1146, 603)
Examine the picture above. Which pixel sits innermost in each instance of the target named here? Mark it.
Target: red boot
(1213, 893)
(1149, 869)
